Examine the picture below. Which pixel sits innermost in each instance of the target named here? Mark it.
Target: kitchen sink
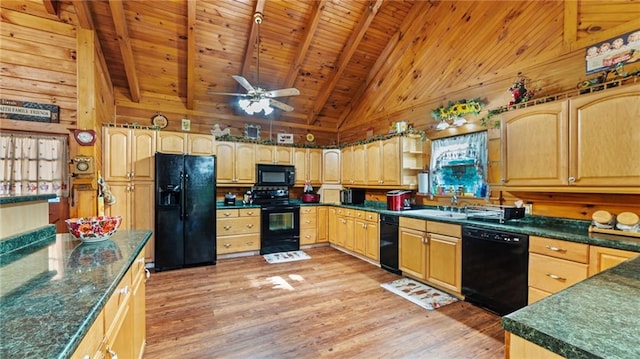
(436, 213)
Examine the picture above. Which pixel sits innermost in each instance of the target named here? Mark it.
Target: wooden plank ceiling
(351, 60)
(354, 61)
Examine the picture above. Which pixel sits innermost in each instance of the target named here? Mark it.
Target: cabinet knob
(124, 290)
(227, 245)
(250, 213)
(226, 214)
(307, 221)
(147, 274)
(307, 236)
(572, 179)
(250, 225)
(226, 228)
(112, 354)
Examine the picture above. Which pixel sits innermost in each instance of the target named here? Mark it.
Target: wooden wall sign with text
(29, 111)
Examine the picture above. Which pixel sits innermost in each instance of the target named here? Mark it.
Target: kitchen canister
(603, 219)
(628, 222)
(423, 182)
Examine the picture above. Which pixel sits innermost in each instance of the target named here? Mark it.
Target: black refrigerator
(185, 203)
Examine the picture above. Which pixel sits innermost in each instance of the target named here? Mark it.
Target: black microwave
(275, 175)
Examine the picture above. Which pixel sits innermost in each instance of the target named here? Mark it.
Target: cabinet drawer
(554, 274)
(308, 221)
(577, 252)
(536, 294)
(249, 212)
(238, 243)
(307, 236)
(417, 224)
(447, 229)
(227, 213)
(240, 225)
(371, 216)
(307, 210)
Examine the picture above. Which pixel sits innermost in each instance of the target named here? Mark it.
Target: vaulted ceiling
(354, 61)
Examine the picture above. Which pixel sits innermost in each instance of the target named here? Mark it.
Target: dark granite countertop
(596, 318)
(53, 290)
(4, 199)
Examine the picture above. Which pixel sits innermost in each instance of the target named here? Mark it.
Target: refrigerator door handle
(182, 196)
(185, 213)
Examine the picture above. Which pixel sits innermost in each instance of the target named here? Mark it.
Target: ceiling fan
(256, 98)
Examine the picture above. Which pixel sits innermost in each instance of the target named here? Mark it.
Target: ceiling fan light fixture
(256, 106)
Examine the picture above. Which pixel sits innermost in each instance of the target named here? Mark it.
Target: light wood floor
(329, 306)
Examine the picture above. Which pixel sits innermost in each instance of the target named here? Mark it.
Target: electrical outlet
(528, 208)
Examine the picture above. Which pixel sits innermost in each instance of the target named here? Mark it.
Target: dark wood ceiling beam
(84, 15)
(348, 51)
(312, 25)
(191, 52)
(51, 6)
(253, 34)
(120, 22)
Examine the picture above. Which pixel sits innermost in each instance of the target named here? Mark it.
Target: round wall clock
(85, 137)
(159, 120)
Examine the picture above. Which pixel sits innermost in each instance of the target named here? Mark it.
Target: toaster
(398, 200)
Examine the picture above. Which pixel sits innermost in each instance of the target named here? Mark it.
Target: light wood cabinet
(604, 142)
(323, 221)
(554, 265)
(444, 261)
(185, 143)
(128, 154)
(601, 258)
(372, 236)
(518, 347)
(238, 230)
(354, 165)
(383, 162)
(276, 155)
(120, 327)
(392, 162)
(534, 146)
(588, 143)
(332, 227)
(171, 142)
(308, 225)
(308, 164)
(331, 166)
(413, 252)
(345, 228)
(235, 163)
(135, 203)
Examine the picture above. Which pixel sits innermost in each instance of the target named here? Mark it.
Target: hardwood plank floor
(329, 306)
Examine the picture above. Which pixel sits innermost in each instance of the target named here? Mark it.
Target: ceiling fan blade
(227, 93)
(281, 105)
(283, 92)
(244, 83)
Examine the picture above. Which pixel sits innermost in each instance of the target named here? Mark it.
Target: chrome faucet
(454, 199)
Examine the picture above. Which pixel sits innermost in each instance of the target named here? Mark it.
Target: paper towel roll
(423, 183)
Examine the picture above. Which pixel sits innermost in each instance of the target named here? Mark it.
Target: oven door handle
(280, 208)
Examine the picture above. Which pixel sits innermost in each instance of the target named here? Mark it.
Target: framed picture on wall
(605, 55)
(252, 132)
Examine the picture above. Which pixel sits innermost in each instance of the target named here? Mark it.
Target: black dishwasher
(495, 269)
(389, 243)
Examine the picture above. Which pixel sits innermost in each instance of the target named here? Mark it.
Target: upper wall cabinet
(235, 163)
(277, 155)
(535, 146)
(590, 143)
(128, 154)
(331, 159)
(186, 143)
(604, 139)
(308, 163)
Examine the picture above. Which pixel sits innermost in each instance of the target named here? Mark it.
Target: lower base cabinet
(308, 225)
(120, 328)
(238, 230)
(518, 347)
(444, 262)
